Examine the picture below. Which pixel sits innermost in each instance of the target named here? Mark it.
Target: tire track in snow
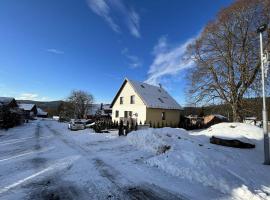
(118, 189)
(25, 154)
(14, 141)
(59, 165)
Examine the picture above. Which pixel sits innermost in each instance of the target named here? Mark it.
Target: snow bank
(153, 139)
(234, 131)
(228, 170)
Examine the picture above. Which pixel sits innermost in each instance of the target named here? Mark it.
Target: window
(142, 86)
(116, 114)
(121, 100)
(163, 117)
(132, 99)
(130, 113)
(160, 100)
(126, 114)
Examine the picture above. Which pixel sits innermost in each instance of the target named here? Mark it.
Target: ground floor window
(126, 114)
(130, 114)
(163, 117)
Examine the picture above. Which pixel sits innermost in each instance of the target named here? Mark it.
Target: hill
(49, 106)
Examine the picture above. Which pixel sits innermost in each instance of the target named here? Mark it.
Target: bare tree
(81, 102)
(227, 55)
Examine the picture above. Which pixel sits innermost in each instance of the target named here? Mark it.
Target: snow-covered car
(76, 125)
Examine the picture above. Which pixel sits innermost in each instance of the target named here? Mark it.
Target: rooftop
(152, 96)
(25, 106)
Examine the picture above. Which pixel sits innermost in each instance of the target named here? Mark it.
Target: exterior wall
(139, 107)
(172, 117)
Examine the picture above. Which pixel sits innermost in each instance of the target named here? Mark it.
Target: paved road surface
(38, 161)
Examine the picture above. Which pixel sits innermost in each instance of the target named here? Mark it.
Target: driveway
(44, 160)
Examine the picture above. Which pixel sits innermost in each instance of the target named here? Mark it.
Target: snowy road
(42, 160)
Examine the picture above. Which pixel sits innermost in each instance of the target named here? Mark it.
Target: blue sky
(48, 48)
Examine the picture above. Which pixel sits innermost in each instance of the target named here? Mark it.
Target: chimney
(160, 86)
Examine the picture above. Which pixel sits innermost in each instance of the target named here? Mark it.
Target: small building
(210, 120)
(10, 113)
(9, 102)
(99, 111)
(144, 103)
(91, 113)
(193, 122)
(41, 113)
(105, 111)
(29, 110)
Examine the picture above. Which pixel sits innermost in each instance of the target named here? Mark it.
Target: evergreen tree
(120, 132)
(127, 128)
(136, 126)
(132, 125)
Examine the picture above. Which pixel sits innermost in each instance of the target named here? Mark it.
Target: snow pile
(191, 157)
(234, 131)
(150, 139)
(244, 132)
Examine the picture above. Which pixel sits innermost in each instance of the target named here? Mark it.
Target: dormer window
(121, 100)
(160, 100)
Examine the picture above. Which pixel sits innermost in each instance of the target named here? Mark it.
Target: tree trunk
(236, 112)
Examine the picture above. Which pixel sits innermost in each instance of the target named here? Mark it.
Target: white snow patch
(236, 172)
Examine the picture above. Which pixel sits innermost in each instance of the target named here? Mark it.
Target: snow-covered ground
(239, 173)
(45, 160)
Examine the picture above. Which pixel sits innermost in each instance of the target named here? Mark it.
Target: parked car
(76, 125)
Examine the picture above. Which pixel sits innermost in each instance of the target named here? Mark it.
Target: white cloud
(101, 8)
(133, 61)
(31, 96)
(55, 51)
(115, 12)
(133, 23)
(168, 61)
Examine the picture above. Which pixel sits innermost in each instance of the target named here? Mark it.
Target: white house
(142, 102)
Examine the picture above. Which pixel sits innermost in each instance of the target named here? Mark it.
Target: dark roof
(6, 100)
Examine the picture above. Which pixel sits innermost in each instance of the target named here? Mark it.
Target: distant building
(99, 111)
(29, 110)
(105, 110)
(41, 113)
(9, 102)
(92, 111)
(251, 120)
(195, 121)
(142, 102)
(210, 120)
(10, 113)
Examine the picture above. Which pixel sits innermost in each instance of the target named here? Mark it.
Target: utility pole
(264, 63)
